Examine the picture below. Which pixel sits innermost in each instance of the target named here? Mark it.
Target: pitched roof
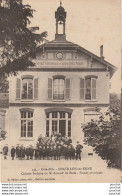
(64, 44)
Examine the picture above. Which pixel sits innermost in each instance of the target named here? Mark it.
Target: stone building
(68, 86)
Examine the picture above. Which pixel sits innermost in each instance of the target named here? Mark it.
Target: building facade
(68, 86)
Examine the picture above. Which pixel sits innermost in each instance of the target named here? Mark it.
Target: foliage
(104, 135)
(4, 85)
(2, 134)
(54, 140)
(18, 42)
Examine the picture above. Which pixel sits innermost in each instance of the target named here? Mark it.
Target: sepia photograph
(60, 91)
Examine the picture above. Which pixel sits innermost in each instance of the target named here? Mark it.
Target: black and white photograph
(60, 91)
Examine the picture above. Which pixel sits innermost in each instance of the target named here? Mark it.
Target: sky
(89, 23)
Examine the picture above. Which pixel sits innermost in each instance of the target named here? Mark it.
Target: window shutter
(36, 88)
(49, 88)
(82, 88)
(67, 87)
(93, 88)
(18, 88)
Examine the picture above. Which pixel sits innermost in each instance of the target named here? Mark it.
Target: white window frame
(26, 119)
(58, 118)
(63, 78)
(90, 88)
(27, 77)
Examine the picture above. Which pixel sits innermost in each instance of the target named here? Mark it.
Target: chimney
(101, 52)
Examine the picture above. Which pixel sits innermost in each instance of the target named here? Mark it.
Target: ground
(89, 169)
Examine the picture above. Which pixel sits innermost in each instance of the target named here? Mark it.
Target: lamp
(60, 22)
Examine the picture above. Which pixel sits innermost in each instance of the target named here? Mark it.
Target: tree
(2, 134)
(104, 136)
(18, 42)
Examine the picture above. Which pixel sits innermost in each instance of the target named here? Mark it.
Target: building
(4, 105)
(68, 86)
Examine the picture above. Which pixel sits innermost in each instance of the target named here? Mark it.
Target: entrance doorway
(62, 127)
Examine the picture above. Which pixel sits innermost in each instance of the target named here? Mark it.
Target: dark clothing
(51, 153)
(31, 151)
(48, 153)
(27, 152)
(36, 154)
(22, 153)
(40, 153)
(58, 153)
(78, 155)
(73, 153)
(17, 152)
(55, 151)
(13, 151)
(78, 151)
(5, 152)
(66, 153)
(44, 153)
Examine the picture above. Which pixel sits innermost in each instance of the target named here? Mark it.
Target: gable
(57, 54)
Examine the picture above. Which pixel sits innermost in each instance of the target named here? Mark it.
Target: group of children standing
(47, 148)
(55, 152)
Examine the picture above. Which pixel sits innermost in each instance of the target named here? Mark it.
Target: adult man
(78, 150)
(72, 152)
(13, 151)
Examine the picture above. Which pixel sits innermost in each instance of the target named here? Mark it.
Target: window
(26, 124)
(62, 114)
(54, 126)
(88, 88)
(47, 128)
(69, 128)
(58, 89)
(58, 122)
(27, 88)
(2, 119)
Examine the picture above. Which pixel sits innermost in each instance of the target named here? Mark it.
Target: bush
(104, 136)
